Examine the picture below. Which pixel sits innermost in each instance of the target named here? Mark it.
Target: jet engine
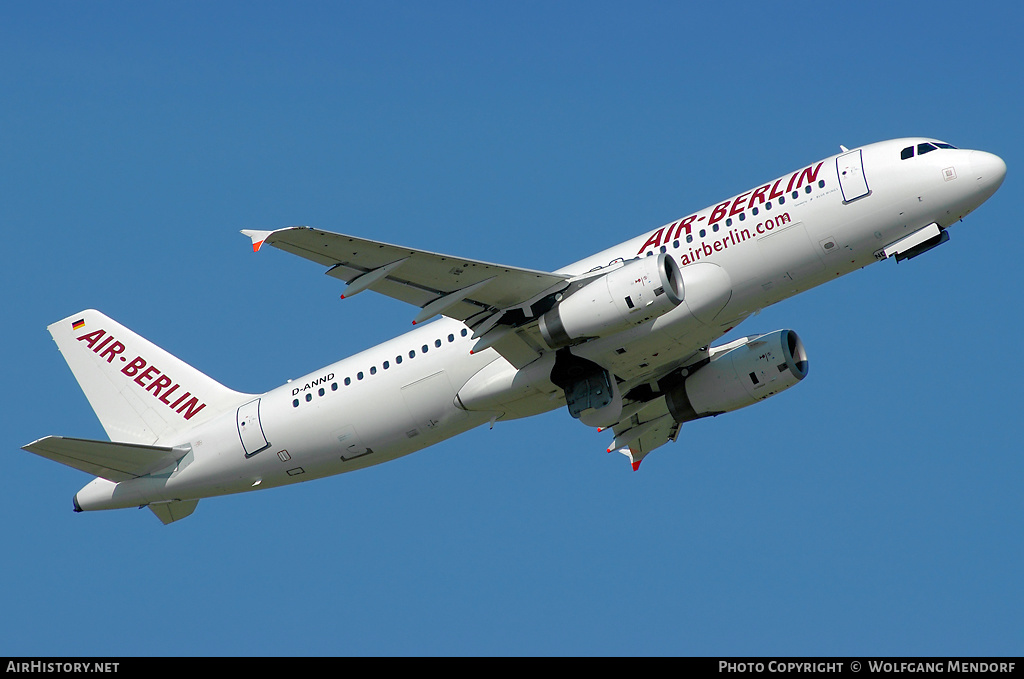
(737, 375)
(632, 294)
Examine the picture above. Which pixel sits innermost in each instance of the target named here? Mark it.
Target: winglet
(633, 459)
(257, 237)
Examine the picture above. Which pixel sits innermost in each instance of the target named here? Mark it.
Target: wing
(485, 296)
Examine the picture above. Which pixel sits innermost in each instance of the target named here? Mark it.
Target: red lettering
(145, 375)
(775, 191)
(811, 177)
(719, 211)
(190, 406)
(180, 399)
(132, 368)
(759, 195)
(161, 382)
(685, 225)
(112, 351)
(737, 205)
(103, 344)
(707, 249)
(92, 337)
(163, 398)
(789, 186)
(654, 241)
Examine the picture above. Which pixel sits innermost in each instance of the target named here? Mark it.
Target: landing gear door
(250, 431)
(852, 181)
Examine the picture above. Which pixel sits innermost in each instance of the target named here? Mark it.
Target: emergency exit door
(250, 431)
(852, 181)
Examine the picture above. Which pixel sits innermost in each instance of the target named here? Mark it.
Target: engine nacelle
(632, 294)
(740, 374)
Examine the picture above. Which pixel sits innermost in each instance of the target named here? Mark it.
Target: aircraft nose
(989, 170)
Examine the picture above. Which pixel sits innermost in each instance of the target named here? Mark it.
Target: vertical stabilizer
(141, 393)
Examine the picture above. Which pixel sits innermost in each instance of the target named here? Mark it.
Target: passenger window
(907, 153)
(373, 370)
(295, 403)
(386, 365)
(451, 338)
(464, 332)
(437, 343)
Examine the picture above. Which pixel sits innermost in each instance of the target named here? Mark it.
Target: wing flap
(112, 461)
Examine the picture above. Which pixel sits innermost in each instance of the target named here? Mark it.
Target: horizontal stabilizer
(112, 461)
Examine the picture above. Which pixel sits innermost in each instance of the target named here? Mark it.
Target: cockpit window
(924, 148)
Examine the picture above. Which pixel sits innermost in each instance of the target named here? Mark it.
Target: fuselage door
(852, 181)
(250, 431)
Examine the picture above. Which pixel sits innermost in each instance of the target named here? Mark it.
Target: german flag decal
(78, 324)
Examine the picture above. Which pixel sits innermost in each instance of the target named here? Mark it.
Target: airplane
(621, 339)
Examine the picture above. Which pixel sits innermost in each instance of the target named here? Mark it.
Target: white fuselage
(771, 242)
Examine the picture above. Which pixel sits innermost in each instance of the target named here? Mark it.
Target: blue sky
(875, 509)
